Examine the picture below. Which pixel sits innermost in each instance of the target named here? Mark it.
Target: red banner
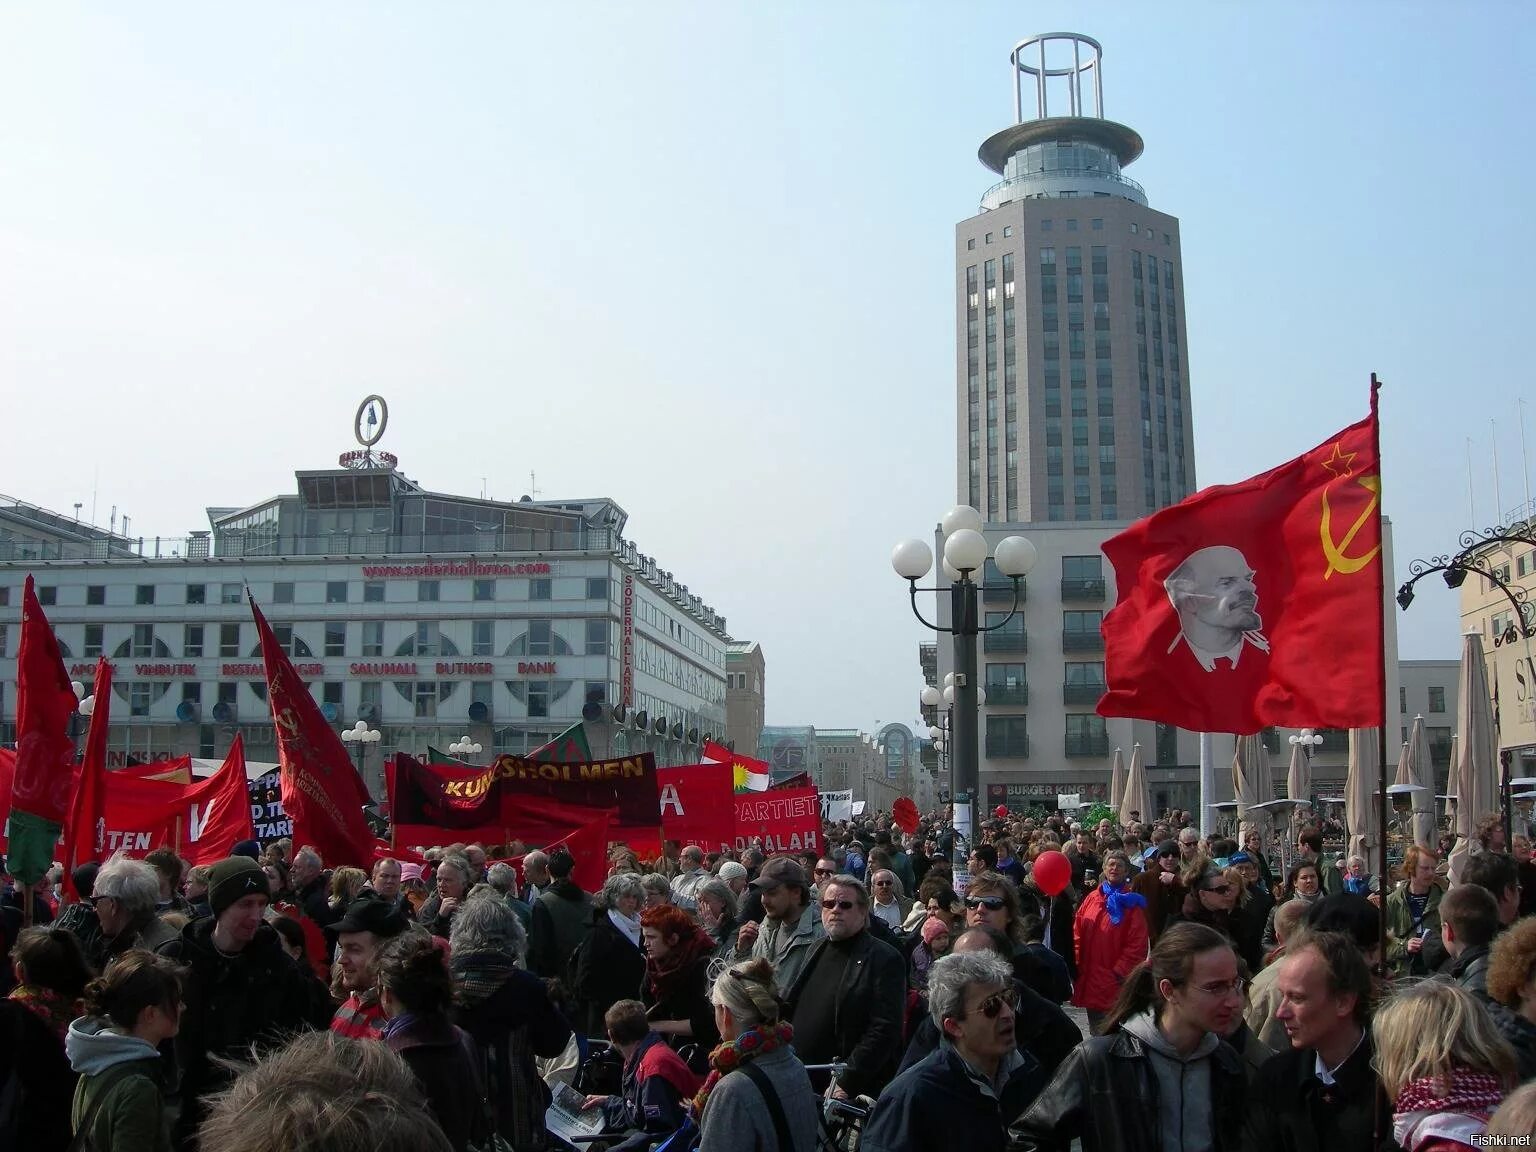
(517, 798)
(784, 820)
(698, 805)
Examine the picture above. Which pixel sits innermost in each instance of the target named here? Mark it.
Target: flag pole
(1381, 735)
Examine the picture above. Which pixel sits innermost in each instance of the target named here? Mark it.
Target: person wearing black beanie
(241, 990)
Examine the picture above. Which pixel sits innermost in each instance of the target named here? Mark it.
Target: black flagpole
(1382, 884)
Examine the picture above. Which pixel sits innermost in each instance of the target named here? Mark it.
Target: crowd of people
(736, 1001)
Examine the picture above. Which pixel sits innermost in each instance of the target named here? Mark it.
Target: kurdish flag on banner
(45, 755)
(751, 775)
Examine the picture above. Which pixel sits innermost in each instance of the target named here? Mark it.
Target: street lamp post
(360, 735)
(464, 748)
(965, 552)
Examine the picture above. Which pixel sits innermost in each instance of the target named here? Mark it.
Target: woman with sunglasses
(991, 902)
(1110, 932)
(1209, 898)
(1158, 1076)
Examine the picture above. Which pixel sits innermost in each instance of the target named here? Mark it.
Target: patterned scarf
(48, 1005)
(479, 975)
(1478, 1092)
(731, 1055)
(668, 975)
(1119, 901)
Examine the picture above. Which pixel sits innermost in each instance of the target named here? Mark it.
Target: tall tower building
(1073, 384)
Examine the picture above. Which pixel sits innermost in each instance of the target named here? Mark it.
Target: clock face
(371, 419)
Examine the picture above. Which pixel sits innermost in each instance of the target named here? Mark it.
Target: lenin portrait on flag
(1214, 595)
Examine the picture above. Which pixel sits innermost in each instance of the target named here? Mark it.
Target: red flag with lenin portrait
(322, 792)
(1259, 603)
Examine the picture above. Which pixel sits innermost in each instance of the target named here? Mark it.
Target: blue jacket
(939, 1105)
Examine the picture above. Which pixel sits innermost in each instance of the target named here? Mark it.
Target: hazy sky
(697, 257)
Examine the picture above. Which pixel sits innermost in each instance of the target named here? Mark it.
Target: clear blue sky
(698, 257)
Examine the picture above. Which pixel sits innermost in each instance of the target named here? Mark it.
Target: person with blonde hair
(1442, 1063)
(754, 1059)
(1516, 1116)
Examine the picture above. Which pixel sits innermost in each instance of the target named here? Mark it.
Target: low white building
(429, 616)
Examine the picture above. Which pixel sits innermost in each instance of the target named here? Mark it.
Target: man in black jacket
(1469, 920)
(847, 1003)
(559, 922)
(241, 988)
(1040, 1029)
(962, 1094)
(1323, 1093)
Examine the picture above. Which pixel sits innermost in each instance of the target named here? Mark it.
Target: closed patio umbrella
(1117, 783)
(1422, 773)
(1249, 784)
(1476, 766)
(1362, 812)
(1136, 798)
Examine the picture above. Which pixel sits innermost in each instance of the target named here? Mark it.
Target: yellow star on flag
(1341, 463)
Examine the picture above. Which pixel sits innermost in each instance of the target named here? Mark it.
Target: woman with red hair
(677, 956)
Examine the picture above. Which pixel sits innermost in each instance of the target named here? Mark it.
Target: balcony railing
(1083, 589)
(1334, 740)
(1007, 693)
(999, 748)
(1004, 640)
(1087, 745)
(1079, 640)
(1079, 693)
(1001, 592)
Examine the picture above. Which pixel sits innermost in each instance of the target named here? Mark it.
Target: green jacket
(1400, 929)
(126, 1109)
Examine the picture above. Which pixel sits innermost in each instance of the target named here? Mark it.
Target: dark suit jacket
(870, 1009)
(1291, 1110)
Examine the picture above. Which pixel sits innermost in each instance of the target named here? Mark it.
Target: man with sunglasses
(963, 1094)
(847, 1003)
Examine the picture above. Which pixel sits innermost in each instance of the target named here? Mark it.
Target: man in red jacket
(1110, 932)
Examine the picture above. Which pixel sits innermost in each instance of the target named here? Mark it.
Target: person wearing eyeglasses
(961, 1095)
(1159, 882)
(891, 904)
(1110, 933)
(1210, 898)
(848, 1002)
(1158, 1076)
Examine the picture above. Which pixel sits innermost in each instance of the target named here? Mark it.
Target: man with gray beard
(847, 1002)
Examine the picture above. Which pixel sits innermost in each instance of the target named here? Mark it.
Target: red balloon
(1052, 871)
(1001, 812)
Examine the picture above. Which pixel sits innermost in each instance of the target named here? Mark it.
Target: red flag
(201, 822)
(1257, 603)
(588, 846)
(88, 805)
(698, 804)
(45, 755)
(322, 792)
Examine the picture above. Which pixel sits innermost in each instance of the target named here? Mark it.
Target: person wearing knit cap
(241, 988)
(935, 943)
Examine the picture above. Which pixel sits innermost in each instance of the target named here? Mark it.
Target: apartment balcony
(1083, 590)
(1005, 640)
(1001, 592)
(1087, 745)
(1001, 749)
(1080, 693)
(1074, 640)
(1015, 694)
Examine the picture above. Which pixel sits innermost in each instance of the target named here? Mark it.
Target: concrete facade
(745, 693)
(1511, 657)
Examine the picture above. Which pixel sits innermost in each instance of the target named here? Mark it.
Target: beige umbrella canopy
(1298, 780)
(1251, 783)
(1422, 773)
(1117, 783)
(1362, 806)
(1136, 798)
(1475, 768)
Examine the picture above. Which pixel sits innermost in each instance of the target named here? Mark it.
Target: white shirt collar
(1325, 1073)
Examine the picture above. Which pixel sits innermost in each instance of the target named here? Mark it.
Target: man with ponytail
(1157, 1077)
